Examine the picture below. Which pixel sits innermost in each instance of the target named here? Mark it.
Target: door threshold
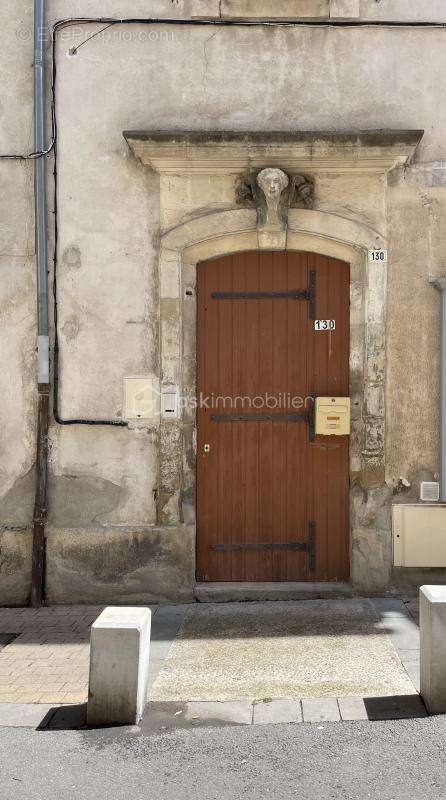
(242, 592)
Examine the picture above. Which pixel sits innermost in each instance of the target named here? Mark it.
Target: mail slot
(332, 416)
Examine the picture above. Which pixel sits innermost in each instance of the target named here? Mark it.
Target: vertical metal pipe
(440, 284)
(43, 379)
(40, 190)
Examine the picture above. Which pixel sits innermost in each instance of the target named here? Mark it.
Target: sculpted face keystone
(271, 191)
(273, 182)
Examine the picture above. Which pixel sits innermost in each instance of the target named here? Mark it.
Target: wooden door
(272, 499)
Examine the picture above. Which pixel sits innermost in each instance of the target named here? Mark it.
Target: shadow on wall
(77, 501)
(18, 503)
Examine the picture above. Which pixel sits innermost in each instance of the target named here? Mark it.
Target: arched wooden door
(272, 499)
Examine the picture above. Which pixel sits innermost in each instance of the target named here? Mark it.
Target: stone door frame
(222, 233)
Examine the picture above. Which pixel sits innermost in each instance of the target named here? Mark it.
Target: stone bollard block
(119, 666)
(433, 648)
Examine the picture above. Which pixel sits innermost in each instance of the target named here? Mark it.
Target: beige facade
(137, 212)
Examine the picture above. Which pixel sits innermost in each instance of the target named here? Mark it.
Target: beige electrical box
(332, 416)
(419, 535)
(141, 397)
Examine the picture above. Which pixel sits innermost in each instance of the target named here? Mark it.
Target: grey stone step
(239, 592)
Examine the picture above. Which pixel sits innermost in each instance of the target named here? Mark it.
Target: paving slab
(24, 715)
(404, 633)
(320, 709)
(239, 712)
(389, 607)
(279, 710)
(352, 709)
(404, 707)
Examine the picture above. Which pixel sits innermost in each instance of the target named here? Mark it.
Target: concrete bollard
(119, 666)
(433, 648)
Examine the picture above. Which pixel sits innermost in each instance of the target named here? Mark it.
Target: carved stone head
(273, 182)
(272, 192)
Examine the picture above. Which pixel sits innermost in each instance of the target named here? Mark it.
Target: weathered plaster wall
(432, 10)
(412, 343)
(136, 77)
(134, 565)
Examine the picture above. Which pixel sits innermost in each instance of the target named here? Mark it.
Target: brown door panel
(265, 488)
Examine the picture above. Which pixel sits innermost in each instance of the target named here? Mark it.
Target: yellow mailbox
(332, 416)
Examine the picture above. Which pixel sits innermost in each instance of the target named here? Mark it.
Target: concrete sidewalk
(275, 658)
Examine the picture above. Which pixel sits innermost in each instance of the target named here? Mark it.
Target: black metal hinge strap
(312, 292)
(260, 546)
(312, 545)
(304, 416)
(308, 546)
(295, 294)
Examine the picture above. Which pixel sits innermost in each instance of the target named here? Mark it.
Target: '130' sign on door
(324, 324)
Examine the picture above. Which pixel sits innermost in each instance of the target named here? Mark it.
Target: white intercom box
(169, 403)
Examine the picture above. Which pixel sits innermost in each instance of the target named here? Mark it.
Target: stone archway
(224, 232)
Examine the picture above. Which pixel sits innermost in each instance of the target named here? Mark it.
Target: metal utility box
(419, 535)
(332, 416)
(141, 397)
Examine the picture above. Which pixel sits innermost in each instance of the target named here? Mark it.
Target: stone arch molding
(224, 232)
(221, 233)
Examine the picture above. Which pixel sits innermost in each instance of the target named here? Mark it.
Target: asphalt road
(353, 761)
